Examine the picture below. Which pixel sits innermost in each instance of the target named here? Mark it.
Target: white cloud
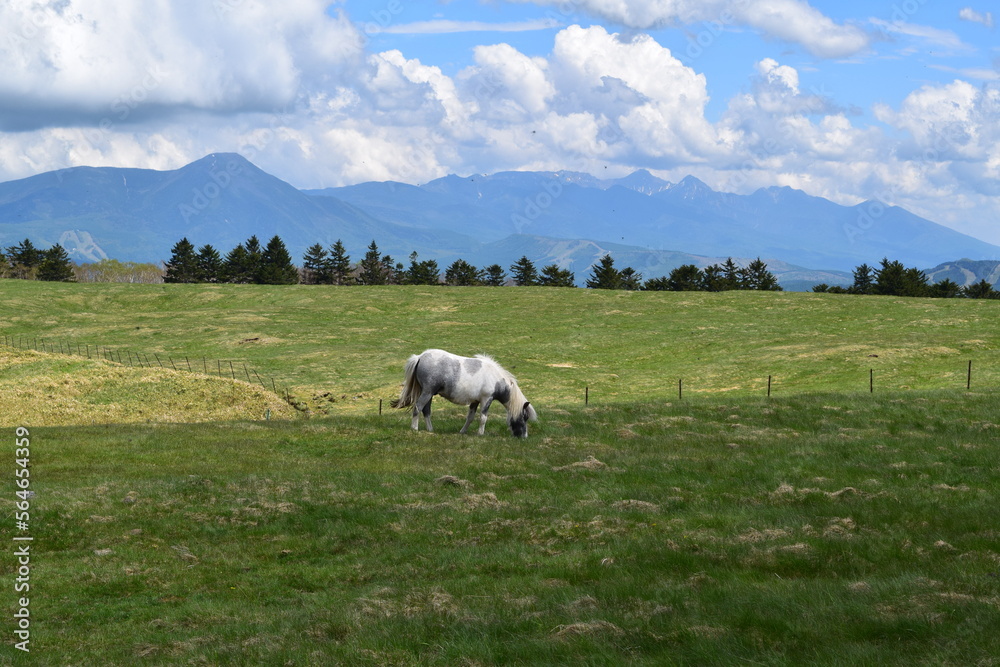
(938, 37)
(295, 91)
(84, 61)
(788, 20)
(970, 14)
(648, 96)
(444, 26)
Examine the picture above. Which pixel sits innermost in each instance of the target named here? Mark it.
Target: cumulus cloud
(297, 91)
(793, 21)
(956, 121)
(79, 62)
(970, 14)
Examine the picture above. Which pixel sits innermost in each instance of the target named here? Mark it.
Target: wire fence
(234, 369)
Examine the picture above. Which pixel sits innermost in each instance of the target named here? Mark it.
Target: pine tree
(915, 282)
(524, 272)
(731, 275)
(421, 273)
(393, 270)
(981, 290)
(757, 277)
(253, 259)
(183, 264)
(56, 265)
(462, 274)
(209, 265)
(4, 265)
(945, 289)
(340, 264)
(686, 278)
(713, 279)
(494, 276)
(604, 275)
(24, 259)
(661, 284)
(889, 279)
(630, 279)
(236, 267)
(864, 280)
(372, 272)
(276, 266)
(316, 265)
(553, 276)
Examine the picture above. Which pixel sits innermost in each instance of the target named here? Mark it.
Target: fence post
(968, 377)
(680, 389)
(871, 380)
(769, 386)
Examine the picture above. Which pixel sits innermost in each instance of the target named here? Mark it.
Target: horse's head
(519, 422)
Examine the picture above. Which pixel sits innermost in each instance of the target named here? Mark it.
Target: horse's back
(459, 379)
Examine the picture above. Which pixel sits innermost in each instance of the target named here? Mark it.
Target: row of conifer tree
(26, 261)
(249, 262)
(892, 278)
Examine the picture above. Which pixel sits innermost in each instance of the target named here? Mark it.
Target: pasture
(825, 525)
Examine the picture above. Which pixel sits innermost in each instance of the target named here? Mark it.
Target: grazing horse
(471, 381)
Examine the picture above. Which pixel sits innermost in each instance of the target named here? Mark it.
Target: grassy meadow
(340, 350)
(825, 525)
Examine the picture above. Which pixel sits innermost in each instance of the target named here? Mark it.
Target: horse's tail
(411, 387)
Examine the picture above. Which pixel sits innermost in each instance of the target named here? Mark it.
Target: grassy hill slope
(821, 526)
(40, 389)
(348, 345)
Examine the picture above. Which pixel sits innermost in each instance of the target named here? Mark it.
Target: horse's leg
(472, 413)
(482, 414)
(427, 413)
(423, 404)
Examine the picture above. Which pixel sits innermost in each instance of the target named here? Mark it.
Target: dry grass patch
(41, 389)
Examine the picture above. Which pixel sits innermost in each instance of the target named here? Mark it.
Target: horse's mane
(515, 406)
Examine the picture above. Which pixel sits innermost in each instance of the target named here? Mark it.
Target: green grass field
(825, 525)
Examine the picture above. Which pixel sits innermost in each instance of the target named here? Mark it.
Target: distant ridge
(564, 217)
(644, 211)
(966, 272)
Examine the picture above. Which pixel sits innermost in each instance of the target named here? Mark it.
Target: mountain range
(567, 218)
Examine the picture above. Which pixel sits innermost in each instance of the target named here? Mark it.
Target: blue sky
(897, 101)
(895, 64)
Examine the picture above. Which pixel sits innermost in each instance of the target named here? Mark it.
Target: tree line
(27, 262)
(892, 278)
(250, 263)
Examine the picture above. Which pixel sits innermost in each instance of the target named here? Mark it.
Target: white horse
(471, 381)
